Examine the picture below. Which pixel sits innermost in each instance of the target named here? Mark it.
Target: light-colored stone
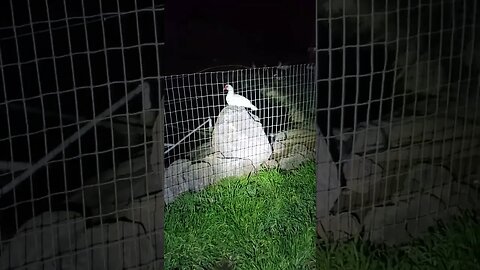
(227, 167)
(412, 130)
(387, 224)
(465, 169)
(424, 75)
(423, 205)
(117, 185)
(281, 136)
(43, 237)
(338, 227)
(368, 139)
(280, 149)
(328, 180)
(270, 164)
(410, 217)
(299, 148)
(157, 152)
(199, 175)
(149, 211)
(292, 162)
(118, 245)
(174, 173)
(344, 134)
(423, 212)
(295, 115)
(172, 192)
(361, 174)
(424, 177)
(286, 142)
(201, 151)
(459, 195)
(175, 183)
(403, 157)
(238, 135)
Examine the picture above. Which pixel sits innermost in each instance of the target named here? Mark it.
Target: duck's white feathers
(238, 100)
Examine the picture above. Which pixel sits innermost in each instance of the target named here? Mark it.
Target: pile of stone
(239, 146)
(61, 240)
(402, 176)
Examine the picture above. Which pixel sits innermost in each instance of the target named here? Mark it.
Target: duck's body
(238, 100)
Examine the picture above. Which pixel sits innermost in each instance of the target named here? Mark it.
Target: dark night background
(203, 34)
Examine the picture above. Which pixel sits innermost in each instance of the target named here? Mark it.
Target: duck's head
(227, 87)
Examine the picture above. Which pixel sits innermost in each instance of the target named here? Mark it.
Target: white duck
(237, 100)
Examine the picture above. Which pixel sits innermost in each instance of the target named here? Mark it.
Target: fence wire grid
(391, 106)
(398, 99)
(206, 139)
(79, 106)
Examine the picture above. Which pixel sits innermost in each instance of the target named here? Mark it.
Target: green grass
(452, 246)
(267, 221)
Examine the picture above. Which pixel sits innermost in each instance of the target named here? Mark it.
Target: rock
(149, 211)
(292, 162)
(424, 177)
(171, 193)
(427, 106)
(421, 77)
(201, 151)
(403, 221)
(358, 202)
(238, 135)
(281, 136)
(157, 154)
(116, 186)
(368, 139)
(299, 154)
(199, 175)
(344, 134)
(328, 180)
(130, 177)
(401, 158)
(423, 212)
(270, 164)
(361, 174)
(295, 115)
(339, 227)
(175, 183)
(304, 151)
(299, 148)
(227, 167)
(423, 205)
(460, 195)
(280, 149)
(120, 245)
(174, 173)
(429, 128)
(286, 141)
(471, 56)
(465, 169)
(49, 235)
(386, 224)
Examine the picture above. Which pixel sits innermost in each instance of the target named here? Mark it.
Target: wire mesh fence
(206, 139)
(398, 106)
(396, 89)
(79, 121)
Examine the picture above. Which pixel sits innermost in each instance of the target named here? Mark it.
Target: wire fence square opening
(397, 86)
